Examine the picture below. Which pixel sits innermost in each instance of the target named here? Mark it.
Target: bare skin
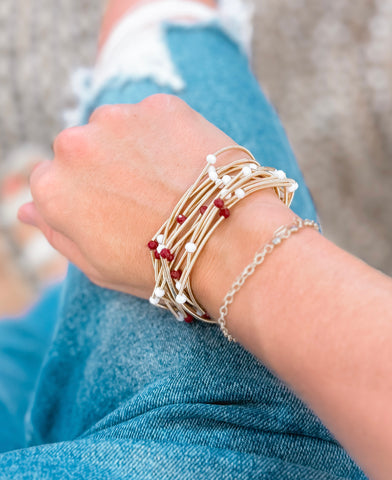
(117, 8)
(317, 316)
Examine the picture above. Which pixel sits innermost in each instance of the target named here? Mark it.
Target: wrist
(232, 247)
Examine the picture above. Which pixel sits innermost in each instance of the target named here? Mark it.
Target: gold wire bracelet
(177, 244)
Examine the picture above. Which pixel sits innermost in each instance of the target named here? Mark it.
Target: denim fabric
(126, 391)
(23, 342)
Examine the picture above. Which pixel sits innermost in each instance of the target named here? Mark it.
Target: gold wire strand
(198, 228)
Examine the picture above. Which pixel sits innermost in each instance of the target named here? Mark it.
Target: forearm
(321, 320)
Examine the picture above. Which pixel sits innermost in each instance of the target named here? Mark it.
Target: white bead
(180, 317)
(293, 187)
(276, 241)
(280, 174)
(239, 193)
(252, 166)
(246, 171)
(160, 238)
(213, 175)
(178, 285)
(159, 292)
(224, 193)
(226, 179)
(181, 299)
(219, 183)
(190, 247)
(160, 247)
(154, 300)
(211, 158)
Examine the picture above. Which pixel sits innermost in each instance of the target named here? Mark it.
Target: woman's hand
(115, 181)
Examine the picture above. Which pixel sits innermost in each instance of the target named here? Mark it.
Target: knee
(115, 10)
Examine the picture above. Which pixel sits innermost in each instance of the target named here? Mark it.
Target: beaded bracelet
(282, 233)
(177, 244)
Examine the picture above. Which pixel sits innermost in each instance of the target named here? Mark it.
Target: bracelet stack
(208, 202)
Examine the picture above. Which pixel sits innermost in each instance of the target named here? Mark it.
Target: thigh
(23, 344)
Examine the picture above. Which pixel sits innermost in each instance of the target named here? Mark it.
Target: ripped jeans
(125, 391)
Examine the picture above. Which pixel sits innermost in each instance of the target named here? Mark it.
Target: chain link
(282, 233)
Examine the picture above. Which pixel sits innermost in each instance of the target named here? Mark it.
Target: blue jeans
(124, 390)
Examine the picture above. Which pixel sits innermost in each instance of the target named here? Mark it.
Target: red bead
(205, 316)
(181, 219)
(153, 245)
(224, 212)
(170, 257)
(157, 256)
(203, 209)
(176, 274)
(218, 202)
(165, 252)
(188, 319)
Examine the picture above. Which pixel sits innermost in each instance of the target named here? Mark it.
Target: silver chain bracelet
(282, 233)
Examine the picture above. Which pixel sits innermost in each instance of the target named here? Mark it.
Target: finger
(28, 213)
(40, 182)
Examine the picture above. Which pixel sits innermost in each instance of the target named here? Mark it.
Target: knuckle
(40, 181)
(70, 140)
(107, 113)
(163, 101)
(45, 192)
